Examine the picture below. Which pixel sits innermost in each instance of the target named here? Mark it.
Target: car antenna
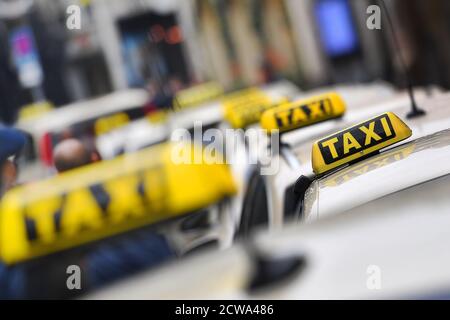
(415, 110)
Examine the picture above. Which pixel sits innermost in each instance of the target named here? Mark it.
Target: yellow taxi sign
(106, 199)
(303, 113)
(242, 94)
(197, 95)
(243, 99)
(157, 117)
(35, 110)
(358, 141)
(251, 112)
(109, 123)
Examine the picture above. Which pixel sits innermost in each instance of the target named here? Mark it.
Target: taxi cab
(382, 233)
(72, 214)
(274, 193)
(84, 120)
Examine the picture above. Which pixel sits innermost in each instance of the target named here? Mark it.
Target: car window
(255, 209)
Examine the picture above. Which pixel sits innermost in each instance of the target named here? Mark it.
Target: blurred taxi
(185, 201)
(84, 120)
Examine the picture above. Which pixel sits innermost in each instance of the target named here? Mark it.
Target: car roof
(356, 94)
(408, 246)
(85, 110)
(410, 266)
(132, 137)
(400, 167)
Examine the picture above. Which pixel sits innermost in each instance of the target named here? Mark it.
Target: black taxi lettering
(353, 140)
(92, 208)
(304, 114)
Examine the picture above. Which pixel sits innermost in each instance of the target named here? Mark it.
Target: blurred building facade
(129, 43)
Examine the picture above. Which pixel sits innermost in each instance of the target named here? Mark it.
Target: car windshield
(399, 168)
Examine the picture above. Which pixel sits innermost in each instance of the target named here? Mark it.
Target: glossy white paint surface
(399, 168)
(66, 116)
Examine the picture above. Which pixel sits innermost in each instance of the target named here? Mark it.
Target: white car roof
(357, 95)
(404, 238)
(409, 248)
(399, 168)
(130, 138)
(65, 116)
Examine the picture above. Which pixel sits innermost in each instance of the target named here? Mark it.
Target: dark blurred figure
(162, 95)
(11, 95)
(175, 84)
(154, 92)
(72, 153)
(11, 144)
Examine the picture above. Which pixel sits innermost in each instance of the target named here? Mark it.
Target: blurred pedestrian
(72, 153)
(12, 142)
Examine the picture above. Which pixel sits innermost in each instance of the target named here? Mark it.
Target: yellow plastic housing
(198, 95)
(108, 198)
(358, 141)
(302, 113)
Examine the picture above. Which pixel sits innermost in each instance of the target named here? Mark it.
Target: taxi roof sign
(242, 98)
(159, 116)
(251, 112)
(246, 107)
(358, 142)
(107, 198)
(197, 95)
(304, 112)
